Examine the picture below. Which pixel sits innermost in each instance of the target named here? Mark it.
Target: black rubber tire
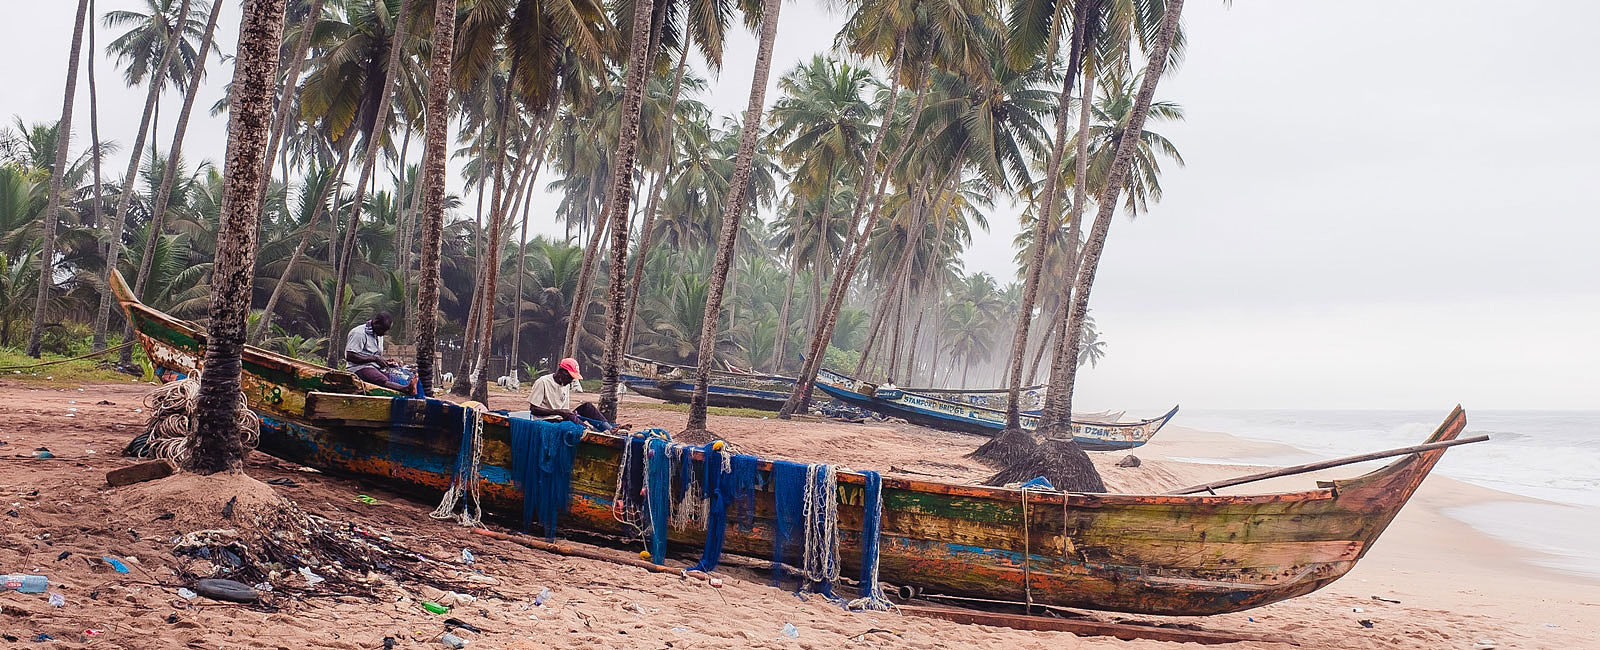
(228, 590)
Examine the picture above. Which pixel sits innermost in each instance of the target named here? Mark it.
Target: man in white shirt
(552, 395)
(363, 354)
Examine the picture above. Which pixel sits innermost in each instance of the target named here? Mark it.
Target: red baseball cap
(570, 365)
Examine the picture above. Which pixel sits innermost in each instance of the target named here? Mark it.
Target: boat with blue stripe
(675, 383)
(1179, 554)
(936, 411)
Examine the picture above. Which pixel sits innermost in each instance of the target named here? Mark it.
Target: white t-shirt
(548, 394)
(362, 341)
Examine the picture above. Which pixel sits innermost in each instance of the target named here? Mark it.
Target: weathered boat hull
(728, 389)
(1181, 555)
(937, 413)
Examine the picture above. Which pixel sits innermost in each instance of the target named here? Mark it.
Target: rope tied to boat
(1027, 556)
(464, 481)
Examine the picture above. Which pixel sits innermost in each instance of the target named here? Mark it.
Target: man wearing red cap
(552, 395)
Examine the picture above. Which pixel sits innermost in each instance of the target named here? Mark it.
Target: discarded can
(25, 583)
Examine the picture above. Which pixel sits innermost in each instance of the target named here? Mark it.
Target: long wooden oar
(1312, 467)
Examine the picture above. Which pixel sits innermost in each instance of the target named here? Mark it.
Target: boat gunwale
(1138, 423)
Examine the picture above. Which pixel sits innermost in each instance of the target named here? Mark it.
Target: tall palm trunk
(119, 218)
(52, 211)
(435, 128)
(547, 127)
(328, 187)
(1044, 225)
(855, 245)
(217, 444)
(158, 210)
(733, 212)
(469, 334)
(368, 167)
(636, 278)
(621, 194)
(99, 342)
(580, 294)
(491, 262)
(291, 79)
(1075, 227)
(1058, 401)
(783, 316)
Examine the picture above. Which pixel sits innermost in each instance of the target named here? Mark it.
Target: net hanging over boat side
(871, 527)
(658, 489)
(469, 458)
(821, 560)
(729, 477)
(788, 500)
(541, 463)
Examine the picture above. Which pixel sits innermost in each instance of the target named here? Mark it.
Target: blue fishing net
(871, 526)
(788, 499)
(723, 489)
(541, 463)
(658, 469)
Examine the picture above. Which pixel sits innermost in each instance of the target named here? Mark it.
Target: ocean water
(1553, 456)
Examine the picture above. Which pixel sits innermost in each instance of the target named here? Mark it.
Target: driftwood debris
(140, 472)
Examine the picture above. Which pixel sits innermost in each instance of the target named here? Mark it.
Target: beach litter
(115, 563)
(456, 622)
(789, 630)
(1484, 644)
(311, 577)
(1386, 600)
(434, 607)
(542, 598)
(226, 590)
(453, 641)
(1366, 623)
(187, 594)
(467, 557)
(57, 600)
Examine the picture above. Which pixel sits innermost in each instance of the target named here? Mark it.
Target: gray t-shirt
(362, 341)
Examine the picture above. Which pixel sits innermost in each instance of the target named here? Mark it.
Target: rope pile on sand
(172, 421)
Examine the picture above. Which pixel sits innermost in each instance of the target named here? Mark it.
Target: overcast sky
(1386, 205)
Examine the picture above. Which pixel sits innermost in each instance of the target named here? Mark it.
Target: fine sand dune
(1455, 587)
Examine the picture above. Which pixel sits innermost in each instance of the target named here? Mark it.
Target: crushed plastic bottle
(187, 594)
(311, 577)
(25, 583)
(57, 600)
(466, 557)
(434, 607)
(453, 641)
(542, 598)
(789, 630)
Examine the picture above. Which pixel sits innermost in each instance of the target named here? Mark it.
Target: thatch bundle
(1061, 462)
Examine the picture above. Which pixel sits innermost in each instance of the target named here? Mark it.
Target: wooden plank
(1081, 627)
(145, 471)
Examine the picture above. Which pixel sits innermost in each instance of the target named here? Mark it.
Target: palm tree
(216, 444)
(732, 213)
(621, 193)
(435, 131)
(52, 211)
(291, 81)
(1058, 400)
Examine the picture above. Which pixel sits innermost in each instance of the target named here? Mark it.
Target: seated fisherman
(552, 395)
(363, 355)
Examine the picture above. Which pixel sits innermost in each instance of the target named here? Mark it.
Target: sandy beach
(1455, 587)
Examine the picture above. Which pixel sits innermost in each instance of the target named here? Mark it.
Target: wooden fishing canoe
(674, 383)
(1156, 554)
(939, 412)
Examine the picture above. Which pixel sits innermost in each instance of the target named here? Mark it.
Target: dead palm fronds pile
(172, 421)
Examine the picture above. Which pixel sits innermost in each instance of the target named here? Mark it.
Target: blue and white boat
(939, 412)
(673, 383)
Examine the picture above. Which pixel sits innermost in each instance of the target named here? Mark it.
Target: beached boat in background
(1156, 554)
(675, 383)
(937, 411)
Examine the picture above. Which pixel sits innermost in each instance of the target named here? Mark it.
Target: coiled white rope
(464, 484)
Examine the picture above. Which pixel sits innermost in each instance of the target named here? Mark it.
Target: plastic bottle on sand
(25, 583)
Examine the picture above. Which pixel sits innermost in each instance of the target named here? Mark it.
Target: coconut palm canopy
(865, 176)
